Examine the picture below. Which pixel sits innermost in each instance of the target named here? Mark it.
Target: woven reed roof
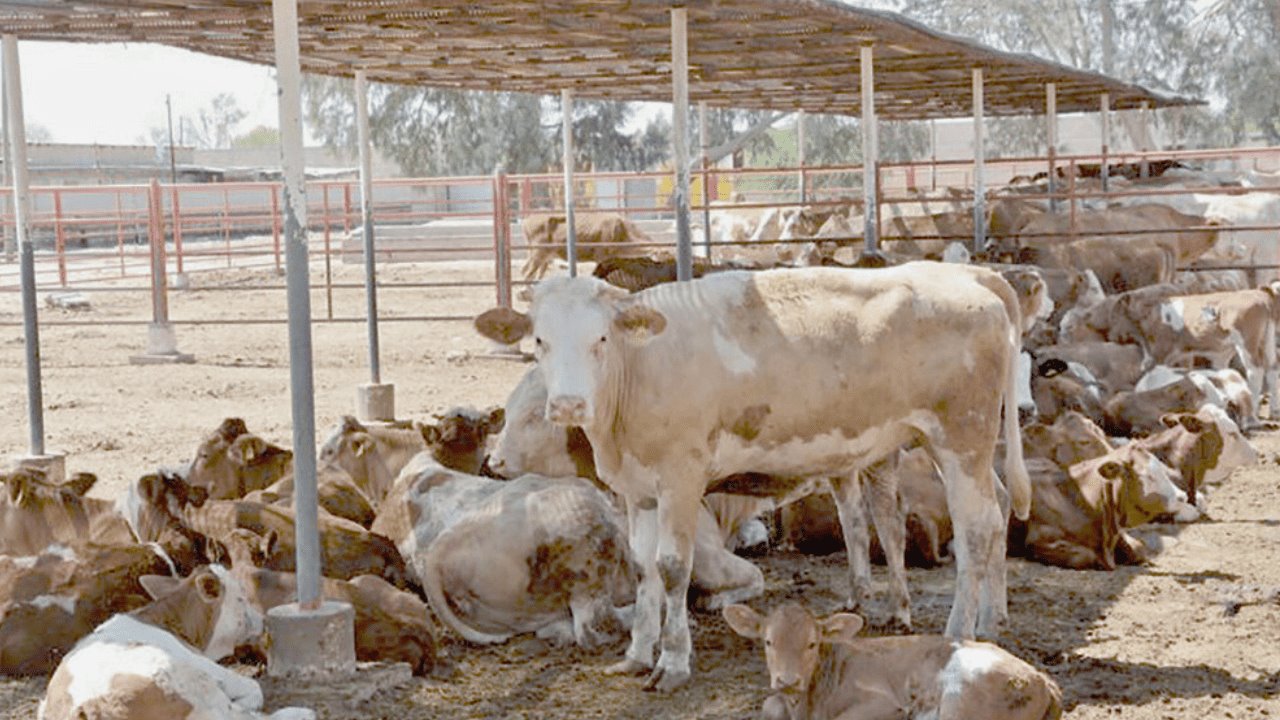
(763, 54)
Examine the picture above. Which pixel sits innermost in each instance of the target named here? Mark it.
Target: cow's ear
(209, 587)
(81, 483)
(246, 449)
(639, 323)
(197, 495)
(1111, 470)
(503, 325)
(431, 434)
(269, 543)
(361, 445)
(743, 620)
(1169, 420)
(151, 487)
(840, 627)
(157, 586)
(17, 488)
(496, 420)
(232, 428)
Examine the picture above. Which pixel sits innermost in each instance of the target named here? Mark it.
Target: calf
(598, 235)
(1070, 439)
(495, 558)
(35, 513)
(231, 462)
(1079, 514)
(457, 438)
(1139, 413)
(1201, 446)
(1058, 387)
(1224, 388)
(50, 601)
(820, 670)
(390, 625)
(160, 661)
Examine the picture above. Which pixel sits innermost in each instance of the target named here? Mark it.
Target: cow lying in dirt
(495, 558)
(160, 661)
(820, 670)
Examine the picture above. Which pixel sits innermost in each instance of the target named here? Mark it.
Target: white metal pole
(1051, 139)
(705, 142)
(804, 195)
(870, 226)
(979, 165)
(301, 384)
(26, 259)
(680, 139)
(9, 242)
(366, 218)
(1104, 102)
(571, 229)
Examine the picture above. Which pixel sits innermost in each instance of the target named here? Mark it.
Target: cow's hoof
(665, 681)
(626, 667)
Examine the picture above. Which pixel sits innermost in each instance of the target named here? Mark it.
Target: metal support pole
(705, 142)
(366, 220)
(979, 165)
(26, 259)
(301, 384)
(868, 99)
(804, 195)
(933, 154)
(1144, 117)
(680, 139)
(570, 229)
(10, 244)
(1104, 102)
(501, 237)
(173, 162)
(1051, 139)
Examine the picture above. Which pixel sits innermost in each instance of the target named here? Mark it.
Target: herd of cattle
(1088, 387)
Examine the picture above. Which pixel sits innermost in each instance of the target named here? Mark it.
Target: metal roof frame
(782, 55)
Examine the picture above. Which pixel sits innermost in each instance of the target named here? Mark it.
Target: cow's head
(1145, 487)
(1236, 448)
(232, 462)
(792, 638)
(459, 438)
(581, 329)
(530, 443)
(216, 614)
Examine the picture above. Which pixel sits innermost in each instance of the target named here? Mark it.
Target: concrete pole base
(162, 347)
(54, 465)
(179, 281)
(313, 645)
(376, 402)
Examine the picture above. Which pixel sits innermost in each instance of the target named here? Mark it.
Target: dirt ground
(1194, 635)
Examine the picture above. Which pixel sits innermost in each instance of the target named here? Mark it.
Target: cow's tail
(1054, 711)
(1016, 479)
(433, 587)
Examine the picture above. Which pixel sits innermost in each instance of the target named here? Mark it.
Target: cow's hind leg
(885, 503)
(847, 493)
(724, 577)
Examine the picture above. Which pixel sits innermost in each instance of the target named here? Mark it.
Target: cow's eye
(537, 341)
(603, 338)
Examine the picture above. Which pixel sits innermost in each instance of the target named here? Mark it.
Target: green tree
(259, 137)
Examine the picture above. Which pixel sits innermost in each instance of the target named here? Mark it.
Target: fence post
(275, 226)
(226, 224)
(60, 238)
(162, 343)
(501, 238)
(346, 208)
(177, 226)
(120, 231)
(1071, 190)
(328, 267)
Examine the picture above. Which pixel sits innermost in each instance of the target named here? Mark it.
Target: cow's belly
(829, 454)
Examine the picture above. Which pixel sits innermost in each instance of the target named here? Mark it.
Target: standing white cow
(787, 372)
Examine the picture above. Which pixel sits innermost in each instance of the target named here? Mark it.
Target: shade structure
(763, 54)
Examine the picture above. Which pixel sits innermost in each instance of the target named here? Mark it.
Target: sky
(115, 94)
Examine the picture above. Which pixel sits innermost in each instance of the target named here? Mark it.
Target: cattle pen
(169, 255)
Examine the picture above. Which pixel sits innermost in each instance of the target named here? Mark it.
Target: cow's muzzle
(568, 410)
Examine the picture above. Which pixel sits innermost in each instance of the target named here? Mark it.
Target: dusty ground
(1143, 643)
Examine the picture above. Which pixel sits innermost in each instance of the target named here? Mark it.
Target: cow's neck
(182, 614)
(833, 659)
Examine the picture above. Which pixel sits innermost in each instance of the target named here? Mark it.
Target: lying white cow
(789, 373)
(535, 554)
(159, 661)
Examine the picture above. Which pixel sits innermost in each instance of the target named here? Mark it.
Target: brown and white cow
(1069, 439)
(1204, 447)
(391, 625)
(820, 670)
(598, 236)
(498, 558)
(1079, 514)
(160, 661)
(232, 462)
(791, 379)
(51, 600)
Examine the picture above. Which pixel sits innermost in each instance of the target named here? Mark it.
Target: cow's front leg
(678, 507)
(642, 526)
(890, 519)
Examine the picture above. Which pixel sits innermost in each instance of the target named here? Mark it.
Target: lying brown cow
(1140, 413)
(233, 462)
(50, 601)
(1070, 439)
(1079, 515)
(598, 236)
(820, 669)
(391, 625)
